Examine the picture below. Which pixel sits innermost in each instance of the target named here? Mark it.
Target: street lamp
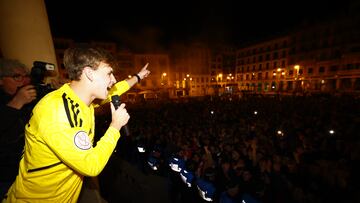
(219, 77)
(297, 68)
(230, 77)
(163, 79)
(187, 81)
(296, 77)
(281, 74)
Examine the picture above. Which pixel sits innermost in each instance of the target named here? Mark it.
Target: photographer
(15, 95)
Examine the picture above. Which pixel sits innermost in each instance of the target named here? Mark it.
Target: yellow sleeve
(87, 161)
(72, 145)
(118, 89)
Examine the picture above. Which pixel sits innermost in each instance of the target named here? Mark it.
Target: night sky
(156, 25)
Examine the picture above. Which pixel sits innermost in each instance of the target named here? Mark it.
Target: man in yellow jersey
(59, 137)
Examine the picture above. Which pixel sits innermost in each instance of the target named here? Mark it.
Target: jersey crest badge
(82, 140)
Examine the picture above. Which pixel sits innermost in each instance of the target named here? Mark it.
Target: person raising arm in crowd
(59, 137)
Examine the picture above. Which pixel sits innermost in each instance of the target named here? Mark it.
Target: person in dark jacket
(16, 94)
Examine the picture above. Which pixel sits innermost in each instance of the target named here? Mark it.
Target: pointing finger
(146, 65)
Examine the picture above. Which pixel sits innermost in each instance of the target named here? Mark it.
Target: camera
(38, 72)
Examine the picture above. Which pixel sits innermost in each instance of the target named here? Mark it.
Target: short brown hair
(77, 58)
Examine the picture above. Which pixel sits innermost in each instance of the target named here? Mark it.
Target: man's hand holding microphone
(119, 115)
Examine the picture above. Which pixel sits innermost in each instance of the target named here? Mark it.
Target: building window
(357, 65)
(260, 58)
(310, 71)
(267, 66)
(334, 68)
(283, 64)
(284, 44)
(349, 66)
(293, 50)
(321, 69)
(275, 55)
(267, 57)
(260, 66)
(275, 46)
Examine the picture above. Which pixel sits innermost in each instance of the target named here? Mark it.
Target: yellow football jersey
(59, 148)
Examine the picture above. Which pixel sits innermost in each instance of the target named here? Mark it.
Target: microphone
(115, 99)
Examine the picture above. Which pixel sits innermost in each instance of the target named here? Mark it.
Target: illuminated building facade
(322, 58)
(262, 67)
(327, 57)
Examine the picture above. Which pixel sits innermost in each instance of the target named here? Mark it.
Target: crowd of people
(252, 149)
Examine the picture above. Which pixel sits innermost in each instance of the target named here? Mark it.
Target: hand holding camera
(24, 95)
